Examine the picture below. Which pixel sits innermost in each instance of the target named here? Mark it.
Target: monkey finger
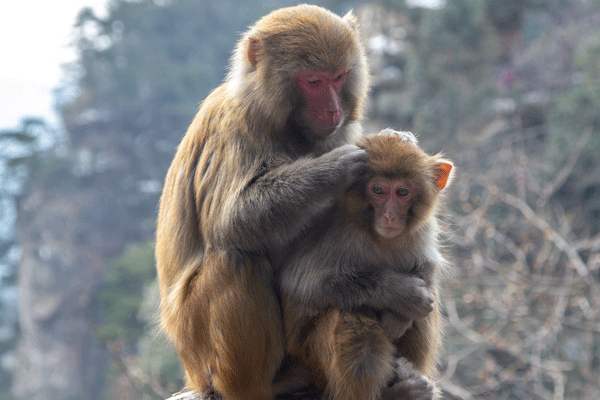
(353, 161)
(351, 153)
(418, 305)
(344, 156)
(395, 325)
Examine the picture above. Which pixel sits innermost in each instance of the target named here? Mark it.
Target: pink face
(391, 199)
(322, 92)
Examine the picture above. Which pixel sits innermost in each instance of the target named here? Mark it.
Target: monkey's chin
(387, 233)
(325, 131)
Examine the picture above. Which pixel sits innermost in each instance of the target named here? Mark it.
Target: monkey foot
(306, 393)
(409, 383)
(185, 394)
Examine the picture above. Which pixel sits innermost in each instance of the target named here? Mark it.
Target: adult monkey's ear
(350, 18)
(253, 51)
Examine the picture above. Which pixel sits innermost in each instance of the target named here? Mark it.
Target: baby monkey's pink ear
(444, 169)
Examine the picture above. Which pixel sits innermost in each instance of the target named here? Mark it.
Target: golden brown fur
(344, 287)
(249, 176)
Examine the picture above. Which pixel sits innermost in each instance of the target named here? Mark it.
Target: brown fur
(247, 179)
(342, 281)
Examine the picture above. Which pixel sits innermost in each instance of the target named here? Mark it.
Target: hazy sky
(34, 38)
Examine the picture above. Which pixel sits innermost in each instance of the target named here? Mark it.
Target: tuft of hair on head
(395, 154)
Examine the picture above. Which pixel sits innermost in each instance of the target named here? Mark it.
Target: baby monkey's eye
(403, 192)
(378, 190)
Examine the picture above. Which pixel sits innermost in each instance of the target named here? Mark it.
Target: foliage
(583, 98)
(119, 299)
(450, 52)
(157, 357)
(20, 151)
(523, 303)
(126, 309)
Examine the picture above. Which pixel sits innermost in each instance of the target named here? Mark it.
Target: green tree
(20, 151)
(118, 302)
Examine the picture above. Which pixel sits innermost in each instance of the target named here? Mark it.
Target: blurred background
(96, 95)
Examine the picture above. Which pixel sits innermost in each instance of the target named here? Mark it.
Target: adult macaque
(263, 158)
(360, 289)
